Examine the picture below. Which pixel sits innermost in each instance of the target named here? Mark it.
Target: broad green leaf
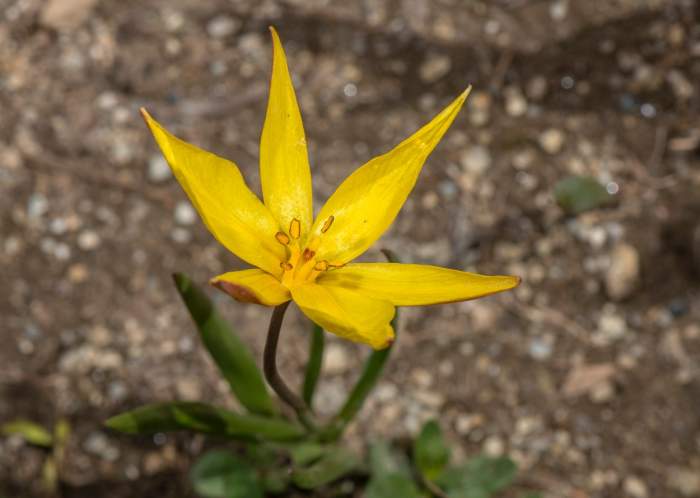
(385, 460)
(480, 477)
(430, 451)
(219, 474)
(392, 486)
(313, 367)
(270, 461)
(577, 194)
(333, 464)
(199, 417)
(229, 352)
(304, 453)
(29, 431)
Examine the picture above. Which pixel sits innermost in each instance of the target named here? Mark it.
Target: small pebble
(611, 326)
(635, 487)
(552, 140)
(336, 360)
(622, 276)
(476, 159)
(685, 481)
(37, 206)
(222, 27)
(494, 446)
(89, 240)
(516, 105)
(434, 68)
(185, 213)
(158, 169)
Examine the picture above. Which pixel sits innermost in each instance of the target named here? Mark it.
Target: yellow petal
(367, 202)
(231, 212)
(284, 163)
(347, 313)
(252, 286)
(414, 285)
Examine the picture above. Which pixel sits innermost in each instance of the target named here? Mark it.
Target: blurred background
(588, 375)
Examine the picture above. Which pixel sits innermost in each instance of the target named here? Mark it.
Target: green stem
(368, 379)
(313, 367)
(272, 374)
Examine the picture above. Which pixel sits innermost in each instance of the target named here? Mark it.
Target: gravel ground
(588, 375)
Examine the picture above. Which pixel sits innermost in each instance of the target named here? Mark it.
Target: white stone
(622, 277)
(158, 169)
(635, 487)
(336, 359)
(185, 213)
(89, 240)
(434, 68)
(476, 159)
(552, 140)
(222, 26)
(65, 15)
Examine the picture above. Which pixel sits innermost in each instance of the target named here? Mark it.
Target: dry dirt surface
(588, 375)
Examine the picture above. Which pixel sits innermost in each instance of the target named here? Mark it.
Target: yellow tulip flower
(308, 259)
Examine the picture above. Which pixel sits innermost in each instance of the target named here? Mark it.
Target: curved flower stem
(272, 374)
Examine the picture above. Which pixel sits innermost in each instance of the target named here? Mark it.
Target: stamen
(327, 224)
(282, 238)
(295, 228)
(335, 267)
(308, 254)
(321, 265)
(286, 266)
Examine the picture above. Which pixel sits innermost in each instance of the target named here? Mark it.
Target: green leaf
(229, 352)
(219, 474)
(199, 417)
(333, 464)
(313, 367)
(275, 480)
(392, 486)
(29, 431)
(385, 460)
(305, 453)
(577, 194)
(480, 477)
(469, 493)
(532, 495)
(430, 451)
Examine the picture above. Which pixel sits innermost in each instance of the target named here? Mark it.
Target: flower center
(301, 265)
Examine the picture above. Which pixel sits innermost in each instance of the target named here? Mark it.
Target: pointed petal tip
(144, 114)
(514, 282)
(238, 292)
(275, 35)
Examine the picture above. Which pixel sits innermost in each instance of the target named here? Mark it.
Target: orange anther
(295, 228)
(321, 265)
(308, 254)
(327, 224)
(286, 266)
(282, 238)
